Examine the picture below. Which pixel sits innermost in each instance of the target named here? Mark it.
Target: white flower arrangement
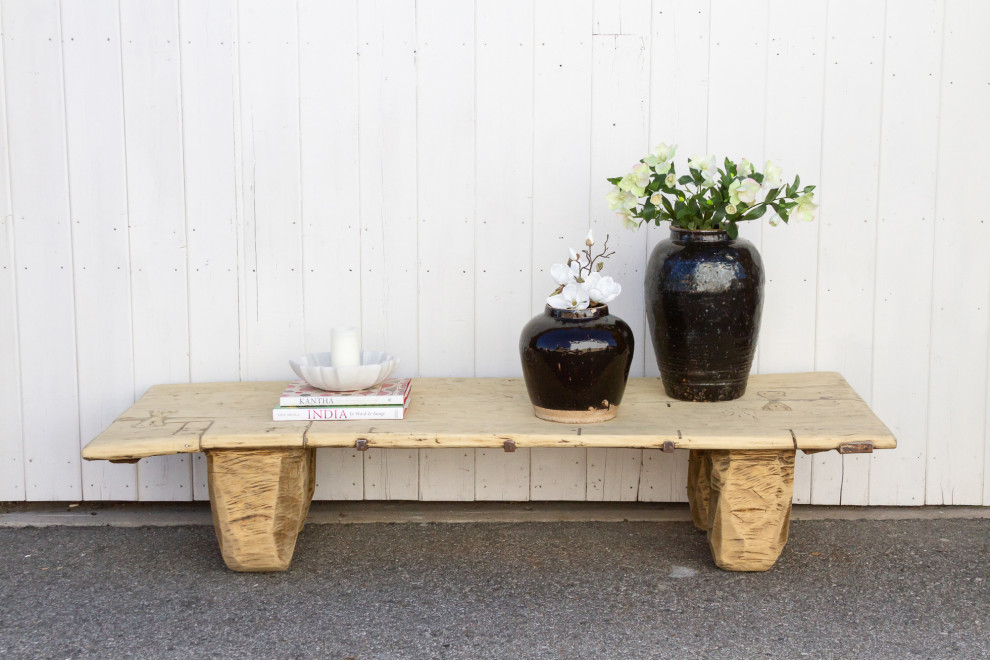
(580, 284)
(708, 197)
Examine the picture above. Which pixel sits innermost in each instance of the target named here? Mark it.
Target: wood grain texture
(260, 499)
(699, 488)
(785, 411)
(749, 507)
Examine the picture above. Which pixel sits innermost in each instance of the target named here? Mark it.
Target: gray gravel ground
(842, 589)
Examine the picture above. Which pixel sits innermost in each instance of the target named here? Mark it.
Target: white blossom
(771, 175)
(805, 210)
(747, 191)
(604, 290)
(573, 296)
(563, 274)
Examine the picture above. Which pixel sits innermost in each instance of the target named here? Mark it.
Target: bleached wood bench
(261, 473)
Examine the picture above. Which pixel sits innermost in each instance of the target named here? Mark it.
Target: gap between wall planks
(245, 213)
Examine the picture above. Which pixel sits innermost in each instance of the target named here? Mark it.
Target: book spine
(305, 401)
(335, 414)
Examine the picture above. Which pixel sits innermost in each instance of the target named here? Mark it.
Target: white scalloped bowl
(315, 369)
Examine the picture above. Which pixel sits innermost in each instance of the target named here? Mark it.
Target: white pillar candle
(345, 347)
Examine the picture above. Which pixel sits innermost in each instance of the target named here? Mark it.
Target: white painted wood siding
(198, 191)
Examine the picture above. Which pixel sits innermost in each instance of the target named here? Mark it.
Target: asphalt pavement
(841, 589)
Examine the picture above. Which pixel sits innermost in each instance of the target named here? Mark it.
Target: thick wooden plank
(504, 200)
(387, 100)
(391, 474)
(328, 114)
(446, 216)
(156, 218)
(961, 280)
(274, 310)
(737, 91)
(796, 51)
(208, 74)
(11, 427)
(679, 54)
(101, 256)
(501, 475)
(905, 235)
(562, 65)
(785, 411)
(43, 244)
(847, 223)
(620, 103)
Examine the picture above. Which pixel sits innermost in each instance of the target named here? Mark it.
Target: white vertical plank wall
(206, 31)
(199, 191)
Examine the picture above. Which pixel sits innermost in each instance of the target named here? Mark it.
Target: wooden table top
(813, 411)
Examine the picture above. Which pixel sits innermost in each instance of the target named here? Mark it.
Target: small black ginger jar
(704, 298)
(576, 363)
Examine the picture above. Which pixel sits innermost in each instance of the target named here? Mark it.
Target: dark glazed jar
(704, 297)
(576, 363)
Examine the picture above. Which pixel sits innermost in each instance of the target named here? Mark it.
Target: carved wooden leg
(750, 507)
(260, 498)
(698, 486)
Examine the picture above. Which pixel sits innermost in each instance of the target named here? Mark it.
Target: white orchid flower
(563, 274)
(709, 178)
(589, 240)
(805, 210)
(656, 199)
(605, 290)
(748, 190)
(572, 297)
(731, 209)
(771, 175)
(670, 180)
(745, 168)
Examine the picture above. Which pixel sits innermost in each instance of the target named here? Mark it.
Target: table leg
(260, 498)
(749, 507)
(699, 490)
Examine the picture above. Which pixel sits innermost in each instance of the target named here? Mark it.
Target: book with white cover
(394, 391)
(338, 413)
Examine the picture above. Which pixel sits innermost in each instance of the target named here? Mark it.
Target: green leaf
(614, 180)
(730, 167)
(685, 179)
(756, 213)
(772, 195)
(667, 205)
(732, 230)
(758, 176)
(654, 185)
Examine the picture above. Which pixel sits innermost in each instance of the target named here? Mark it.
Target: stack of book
(302, 402)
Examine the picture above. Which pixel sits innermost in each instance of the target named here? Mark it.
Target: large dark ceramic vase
(576, 363)
(704, 297)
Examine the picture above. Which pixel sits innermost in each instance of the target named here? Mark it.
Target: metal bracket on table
(509, 445)
(865, 447)
(361, 444)
(668, 447)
